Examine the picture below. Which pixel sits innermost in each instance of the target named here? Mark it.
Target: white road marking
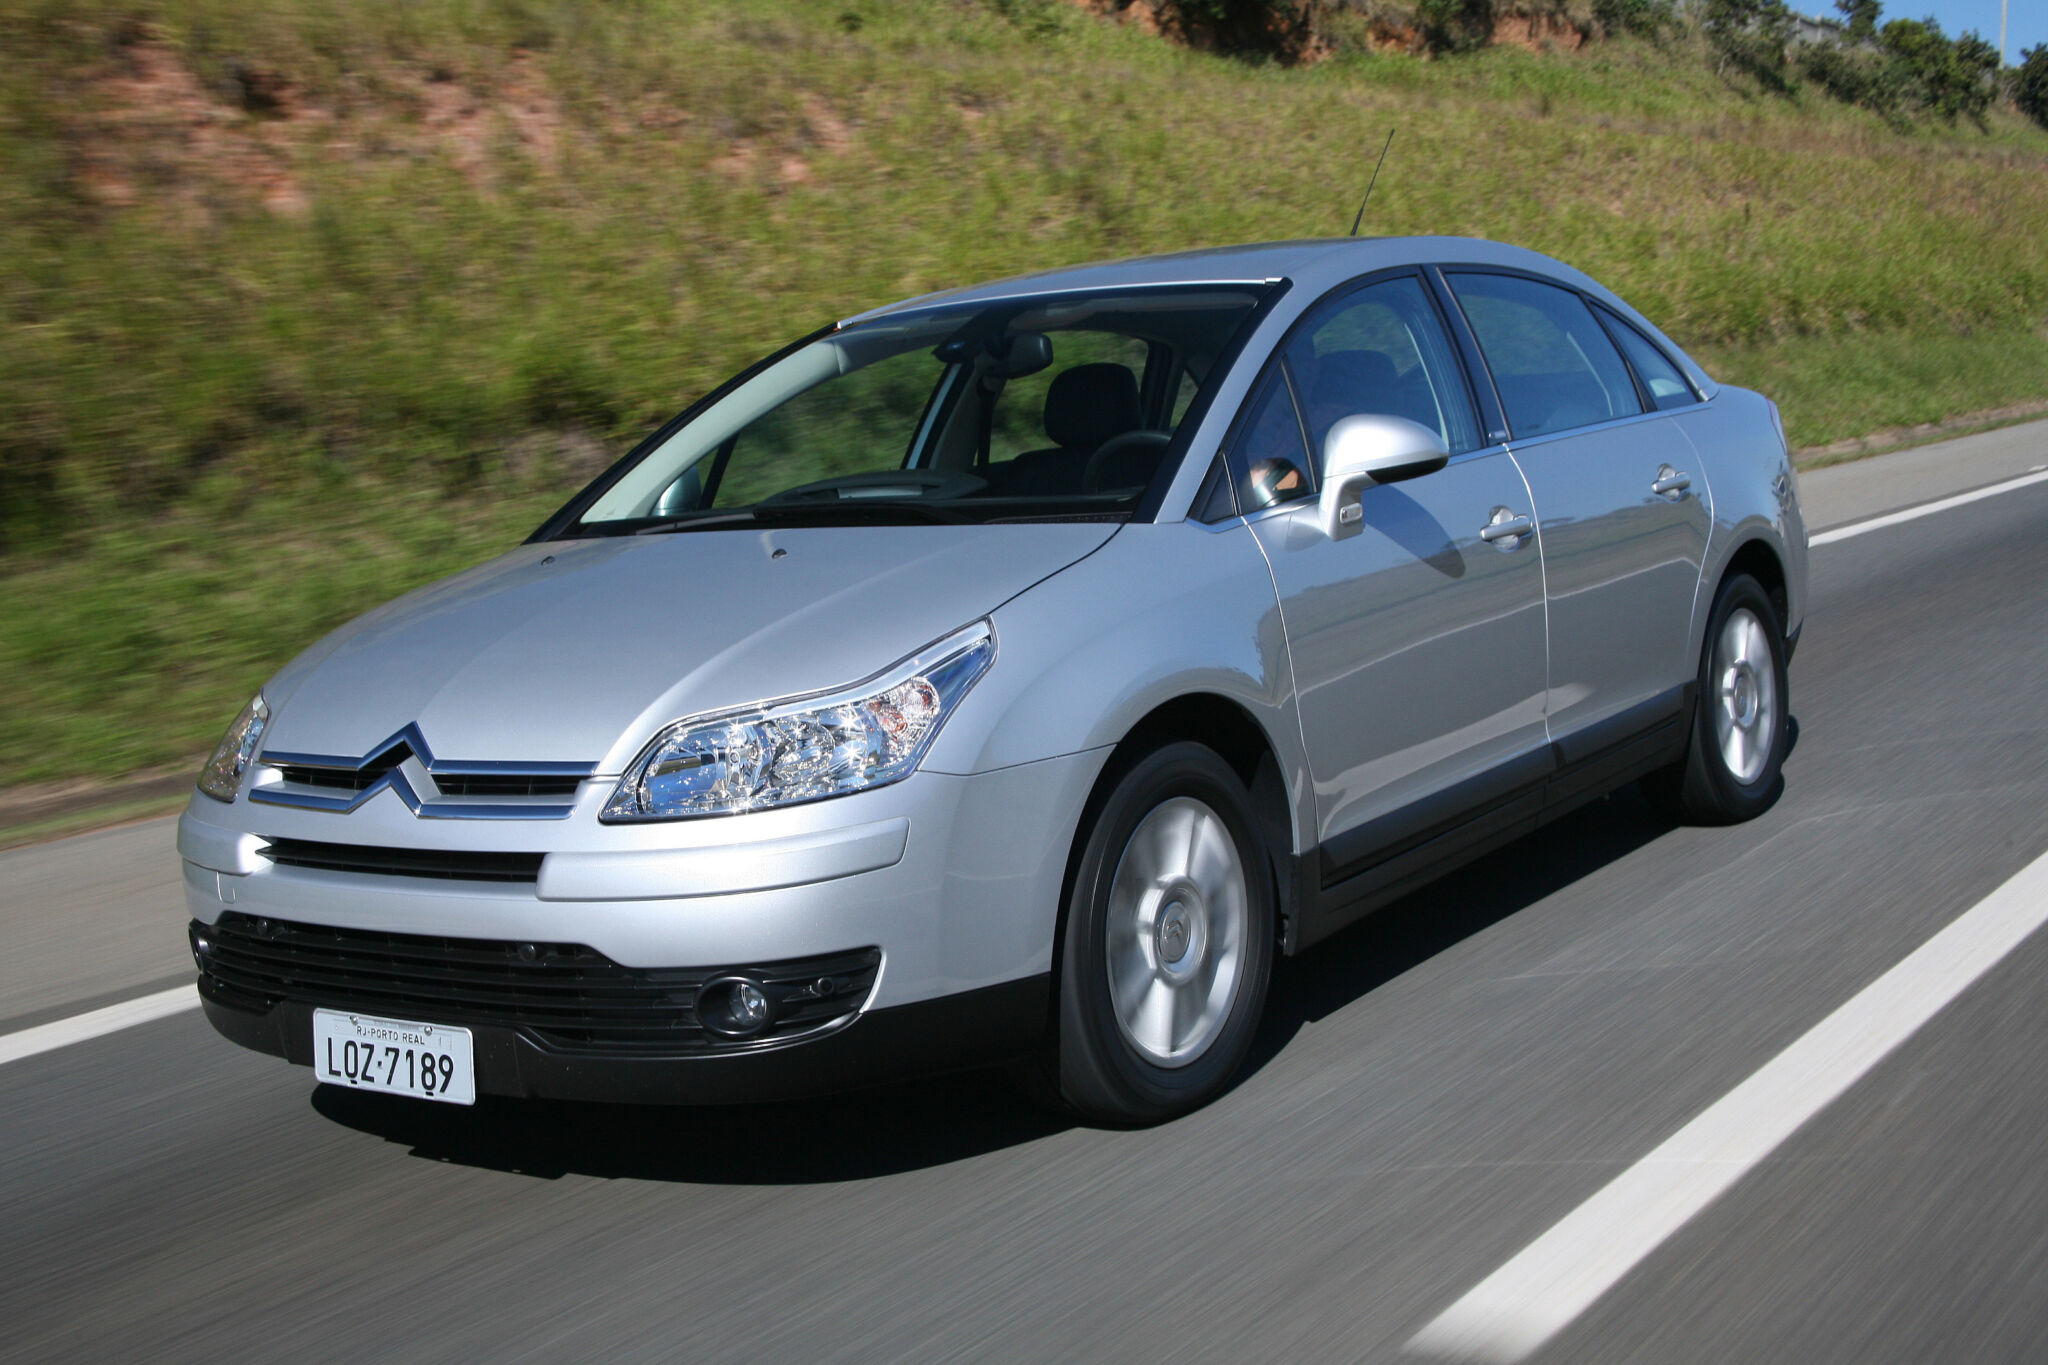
(1925, 509)
(1539, 1292)
(95, 1023)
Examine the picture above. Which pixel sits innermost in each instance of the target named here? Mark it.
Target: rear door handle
(1670, 483)
(1505, 525)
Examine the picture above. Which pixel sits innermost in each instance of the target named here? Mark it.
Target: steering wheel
(1153, 441)
(883, 483)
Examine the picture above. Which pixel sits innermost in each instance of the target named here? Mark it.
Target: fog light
(735, 1007)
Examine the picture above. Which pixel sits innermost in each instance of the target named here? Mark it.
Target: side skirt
(1363, 869)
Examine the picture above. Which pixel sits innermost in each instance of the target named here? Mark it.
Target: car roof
(1316, 264)
(1255, 262)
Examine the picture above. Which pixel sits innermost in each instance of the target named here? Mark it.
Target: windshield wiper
(837, 512)
(841, 511)
(695, 521)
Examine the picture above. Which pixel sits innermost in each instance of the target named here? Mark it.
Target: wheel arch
(1224, 726)
(1760, 560)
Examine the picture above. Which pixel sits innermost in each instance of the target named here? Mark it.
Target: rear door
(1418, 647)
(1620, 503)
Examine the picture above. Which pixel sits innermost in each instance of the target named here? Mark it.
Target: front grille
(440, 863)
(331, 779)
(562, 995)
(460, 789)
(506, 784)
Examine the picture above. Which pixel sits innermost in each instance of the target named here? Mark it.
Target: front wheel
(1740, 727)
(1169, 942)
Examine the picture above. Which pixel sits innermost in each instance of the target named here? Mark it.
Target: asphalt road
(1432, 1091)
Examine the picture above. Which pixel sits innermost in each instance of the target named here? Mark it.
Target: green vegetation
(311, 301)
(1905, 68)
(2030, 84)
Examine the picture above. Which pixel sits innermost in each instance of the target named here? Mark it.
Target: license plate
(364, 1052)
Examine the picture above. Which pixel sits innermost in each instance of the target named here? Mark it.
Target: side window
(1667, 386)
(1552, 362)
(1381, 349)
(1267, 459)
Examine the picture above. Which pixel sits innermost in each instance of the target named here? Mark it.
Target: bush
(1647, 18)
(1857, 74)
(1906, 67)
(1946, 78)
(2030, 84)
(1750, 35)
(1455, 25)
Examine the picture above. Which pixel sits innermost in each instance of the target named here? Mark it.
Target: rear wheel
(1740, 729)
(1169, 942)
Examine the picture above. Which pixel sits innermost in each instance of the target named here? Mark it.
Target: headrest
(1353, 380)
(1088, 404)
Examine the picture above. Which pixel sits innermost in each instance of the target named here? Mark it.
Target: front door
(1417, 645)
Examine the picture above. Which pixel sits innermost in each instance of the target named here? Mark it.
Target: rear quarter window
(1667, 386)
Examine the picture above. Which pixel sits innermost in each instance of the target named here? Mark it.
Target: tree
(1750, 35)
(2030, 84)
(1908, 67)
(1947, 78)
(1862, 16)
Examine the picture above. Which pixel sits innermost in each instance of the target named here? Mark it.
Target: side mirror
(680, 496)
(1367, 449)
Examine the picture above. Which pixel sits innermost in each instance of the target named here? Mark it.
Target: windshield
(1060, 406)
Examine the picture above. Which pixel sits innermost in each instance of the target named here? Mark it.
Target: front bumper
(951, 884)
(974, 1028)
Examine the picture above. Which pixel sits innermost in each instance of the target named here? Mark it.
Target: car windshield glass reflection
(1055, 406)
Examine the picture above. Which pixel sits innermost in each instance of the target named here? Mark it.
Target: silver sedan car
(1007, 675)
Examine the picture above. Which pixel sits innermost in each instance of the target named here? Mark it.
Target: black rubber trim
(1363, 869)
(567, 997)
(1347, 854)
(1792, 644)
(441, 864)
(956, 1032)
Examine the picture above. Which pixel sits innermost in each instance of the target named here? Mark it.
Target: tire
(1168, 944)
(1741, 720)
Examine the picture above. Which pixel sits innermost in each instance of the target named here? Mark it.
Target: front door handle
(1670, 483)
(1506, 526)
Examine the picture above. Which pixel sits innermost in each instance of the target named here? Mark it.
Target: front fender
(1163, 611)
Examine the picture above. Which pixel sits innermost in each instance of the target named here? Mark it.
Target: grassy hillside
(309, 301)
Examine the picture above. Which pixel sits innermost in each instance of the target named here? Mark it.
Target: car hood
(577, 651)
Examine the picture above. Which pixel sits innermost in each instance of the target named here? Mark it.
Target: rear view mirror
(1019, 354)
(1009, 355)
(1367, 449)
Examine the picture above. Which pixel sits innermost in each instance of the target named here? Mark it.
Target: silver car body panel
(971, 900)
(1621, 562)
(1417, 647)
(1162, 612)
(1756, 498)
(640, 631)
(1382, 671)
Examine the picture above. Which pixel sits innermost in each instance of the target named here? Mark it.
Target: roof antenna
(1374, 181)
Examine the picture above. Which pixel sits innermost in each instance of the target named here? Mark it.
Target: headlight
(808, 748)
(222, 776)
